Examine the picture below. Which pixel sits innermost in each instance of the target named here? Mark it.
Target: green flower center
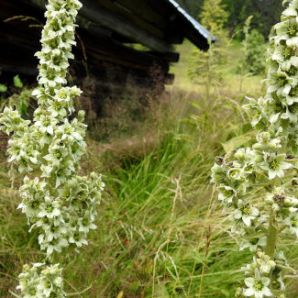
(258, 285)
(246, 211)
(292, 28)
(274, 164)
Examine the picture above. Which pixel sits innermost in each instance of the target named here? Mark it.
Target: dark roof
(178, 21)
(193, 30)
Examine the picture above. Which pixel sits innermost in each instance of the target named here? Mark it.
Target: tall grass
(161, 232)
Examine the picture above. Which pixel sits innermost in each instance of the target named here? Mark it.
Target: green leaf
(3, 88)
(23, 108)
(238, 141)
(17, 82)
(161, 291)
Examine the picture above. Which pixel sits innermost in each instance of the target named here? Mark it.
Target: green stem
(271, 236)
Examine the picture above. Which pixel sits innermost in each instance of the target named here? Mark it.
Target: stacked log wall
(108, 30)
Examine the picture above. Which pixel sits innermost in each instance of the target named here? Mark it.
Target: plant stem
(271, 236)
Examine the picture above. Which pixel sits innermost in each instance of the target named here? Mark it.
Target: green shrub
(255, 53)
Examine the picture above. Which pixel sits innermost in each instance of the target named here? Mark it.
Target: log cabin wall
(121, 43)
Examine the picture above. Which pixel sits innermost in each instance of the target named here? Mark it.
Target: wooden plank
(94, 13)
(115, 52)
(141, 14)
(126, 11)
(169, 79)
(143, 10)
(170, 56)
(17, 69)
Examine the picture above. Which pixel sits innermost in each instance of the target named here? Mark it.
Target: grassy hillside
(161, 232)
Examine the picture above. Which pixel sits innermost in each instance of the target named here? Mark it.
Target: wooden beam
(181, 22)
(170, 56)
(169, 79)
(24, 70)
(142, 14)
(104, 48)
(144, 11)
(129, 12)
(94, 29)
(98, 15)
(122, 26)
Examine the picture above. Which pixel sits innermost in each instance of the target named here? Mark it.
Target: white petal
(249, 281)
(267, 292)
(248, 292)
(247, 220)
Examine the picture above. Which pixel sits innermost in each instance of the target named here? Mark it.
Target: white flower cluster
(41, 281)
(262, 275)
(58, 203)
(278, 109)
(259, 182)
(64, 216)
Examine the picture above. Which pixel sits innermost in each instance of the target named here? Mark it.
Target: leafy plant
(19, 101)
(214, 16)
(22, 102)
(205, 67)
(17, 82)
(254, 53)
(3, 88)
(255, 58)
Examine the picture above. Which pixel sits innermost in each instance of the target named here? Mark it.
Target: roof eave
(193, 30)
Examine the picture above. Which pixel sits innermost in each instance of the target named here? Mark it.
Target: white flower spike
(58, 203)
(259, 183)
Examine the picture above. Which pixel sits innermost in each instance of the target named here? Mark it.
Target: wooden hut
(120, 42)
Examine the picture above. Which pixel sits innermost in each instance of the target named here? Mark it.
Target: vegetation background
(161, 232)
(265, 12)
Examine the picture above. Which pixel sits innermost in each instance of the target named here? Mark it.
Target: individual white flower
(253, 244)
(264, 262)
(55, 245)
(274, 164)
(227, 194)
(291, 222)
(50, 210)
(246, 213)
(257, 287)
(79, 239)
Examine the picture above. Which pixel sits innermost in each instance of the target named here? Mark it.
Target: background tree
(255, 57)
(265, 13)
(192, 6)
(214, 16)
(205, 67)
(254, 49)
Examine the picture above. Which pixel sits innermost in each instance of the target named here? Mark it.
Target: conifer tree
(205, 67)
(214, 16)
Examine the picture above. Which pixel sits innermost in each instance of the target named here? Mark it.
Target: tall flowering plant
(58, 203)
(258, 183)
